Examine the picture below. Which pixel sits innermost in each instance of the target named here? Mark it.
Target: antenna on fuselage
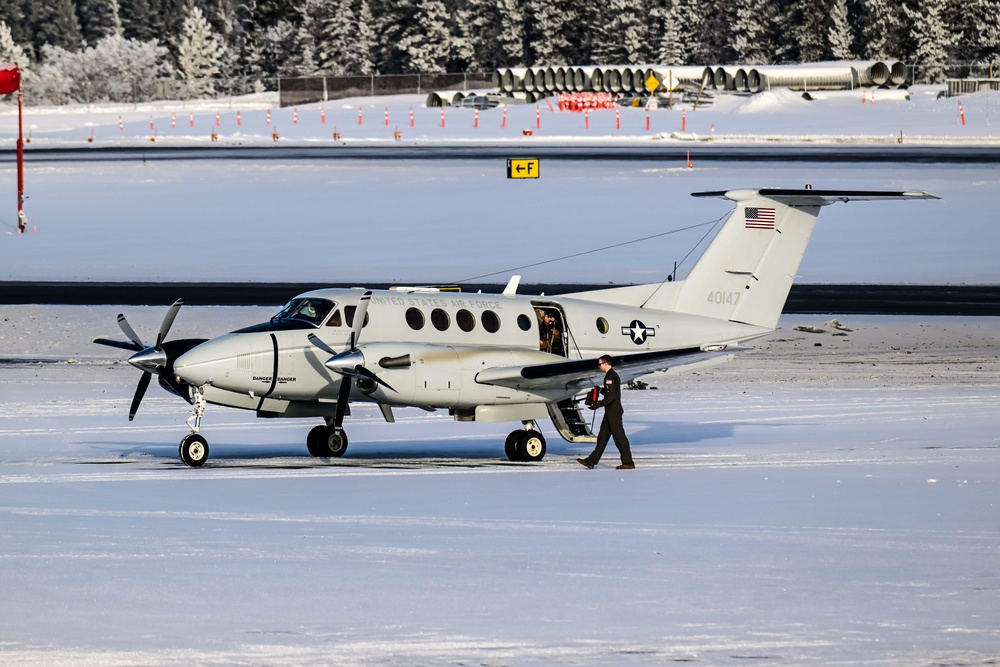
(511, 288)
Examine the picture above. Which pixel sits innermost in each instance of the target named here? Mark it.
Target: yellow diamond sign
(652, 83)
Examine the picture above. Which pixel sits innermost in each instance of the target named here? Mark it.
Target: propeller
(350, 362)
(156, 359)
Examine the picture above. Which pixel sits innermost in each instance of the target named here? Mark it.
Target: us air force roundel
(638, 331)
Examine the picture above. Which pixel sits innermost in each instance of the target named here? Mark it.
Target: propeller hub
(346, 363)
(149, 360)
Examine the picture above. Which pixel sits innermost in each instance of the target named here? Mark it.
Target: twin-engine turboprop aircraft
(491, 357)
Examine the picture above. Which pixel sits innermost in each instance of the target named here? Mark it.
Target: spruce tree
(54, 22)
(750, 37)
(199, 52)
(98, 19)
(840, 35)
(932, 37)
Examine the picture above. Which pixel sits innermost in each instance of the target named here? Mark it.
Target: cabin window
(490, 320)
(602, 325)
(349, 316)
(335, 320)
(524, 322)
(415, 318)
(440, 319)
(465, 320)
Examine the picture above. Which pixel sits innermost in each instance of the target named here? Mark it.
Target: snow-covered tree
(552, 32)
(345, 41)
(140, 20)
(671, 48)
(413, 36)
(620, 34)
(510, 37)
(99, 18)
(840, 35)
(933, 38)
(11, 51)
(805, 26)
(980, 27)
(199, 53)
(275, 51)
(483, 24)
(750, 37)
(882, 32)
(679, 38)
(113, 70)
(54, 22)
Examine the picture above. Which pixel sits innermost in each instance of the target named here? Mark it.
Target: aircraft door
(552, 332)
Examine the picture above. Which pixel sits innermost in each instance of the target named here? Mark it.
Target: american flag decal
(759, 218)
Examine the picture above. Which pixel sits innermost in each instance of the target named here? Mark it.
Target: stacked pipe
(538, 82)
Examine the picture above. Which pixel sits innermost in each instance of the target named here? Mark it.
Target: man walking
(611, 425)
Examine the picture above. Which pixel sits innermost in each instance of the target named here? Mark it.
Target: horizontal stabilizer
(815, 197)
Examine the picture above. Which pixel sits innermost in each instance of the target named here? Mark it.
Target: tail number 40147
(728, 298)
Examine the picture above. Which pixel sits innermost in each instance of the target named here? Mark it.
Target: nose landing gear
(194, 447)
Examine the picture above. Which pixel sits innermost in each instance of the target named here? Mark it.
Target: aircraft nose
(200, 365)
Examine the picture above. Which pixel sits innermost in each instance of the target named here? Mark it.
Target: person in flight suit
(551, 337)
(611, 425)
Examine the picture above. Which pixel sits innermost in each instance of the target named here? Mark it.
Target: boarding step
(570, 422)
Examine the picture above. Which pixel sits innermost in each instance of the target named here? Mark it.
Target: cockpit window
(313, 311)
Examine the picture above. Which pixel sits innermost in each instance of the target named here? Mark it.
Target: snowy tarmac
(822, 499)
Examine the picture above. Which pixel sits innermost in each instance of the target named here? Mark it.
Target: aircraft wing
(582, 374)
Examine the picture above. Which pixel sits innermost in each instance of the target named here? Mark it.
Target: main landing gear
(525, 445)
(327, 440)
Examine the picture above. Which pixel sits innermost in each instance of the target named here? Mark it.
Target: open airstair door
(553, 333)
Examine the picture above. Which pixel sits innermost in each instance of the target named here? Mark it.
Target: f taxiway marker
(522, 168)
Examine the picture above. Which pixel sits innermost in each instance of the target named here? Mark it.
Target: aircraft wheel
(194, 450)
(510, 445)
(315, 441)
(335, 442)
(531, 446)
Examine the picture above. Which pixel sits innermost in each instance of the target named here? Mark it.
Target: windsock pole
(22, 221)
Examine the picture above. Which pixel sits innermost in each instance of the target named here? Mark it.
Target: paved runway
(857, 299)
(658, 151)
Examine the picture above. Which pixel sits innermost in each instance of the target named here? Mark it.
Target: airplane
(483, 357)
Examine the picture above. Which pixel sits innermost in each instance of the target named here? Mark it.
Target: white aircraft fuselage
(492, 357)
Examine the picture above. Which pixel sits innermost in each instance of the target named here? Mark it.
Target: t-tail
(747, 270)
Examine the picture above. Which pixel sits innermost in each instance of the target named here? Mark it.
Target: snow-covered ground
(837, 117)
(823, 499)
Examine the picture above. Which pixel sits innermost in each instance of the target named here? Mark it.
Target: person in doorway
(611, 425)
(551, 336)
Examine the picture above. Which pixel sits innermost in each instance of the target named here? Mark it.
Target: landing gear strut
(525, 445)
(194, 447)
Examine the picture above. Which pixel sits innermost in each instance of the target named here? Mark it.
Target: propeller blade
(361, 370)
(129, 331)
(359, 319)
(168, 321)
(315, 340)
(119, 344)
(140, 391)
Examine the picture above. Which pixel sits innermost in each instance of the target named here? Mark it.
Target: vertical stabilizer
(747, 271)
